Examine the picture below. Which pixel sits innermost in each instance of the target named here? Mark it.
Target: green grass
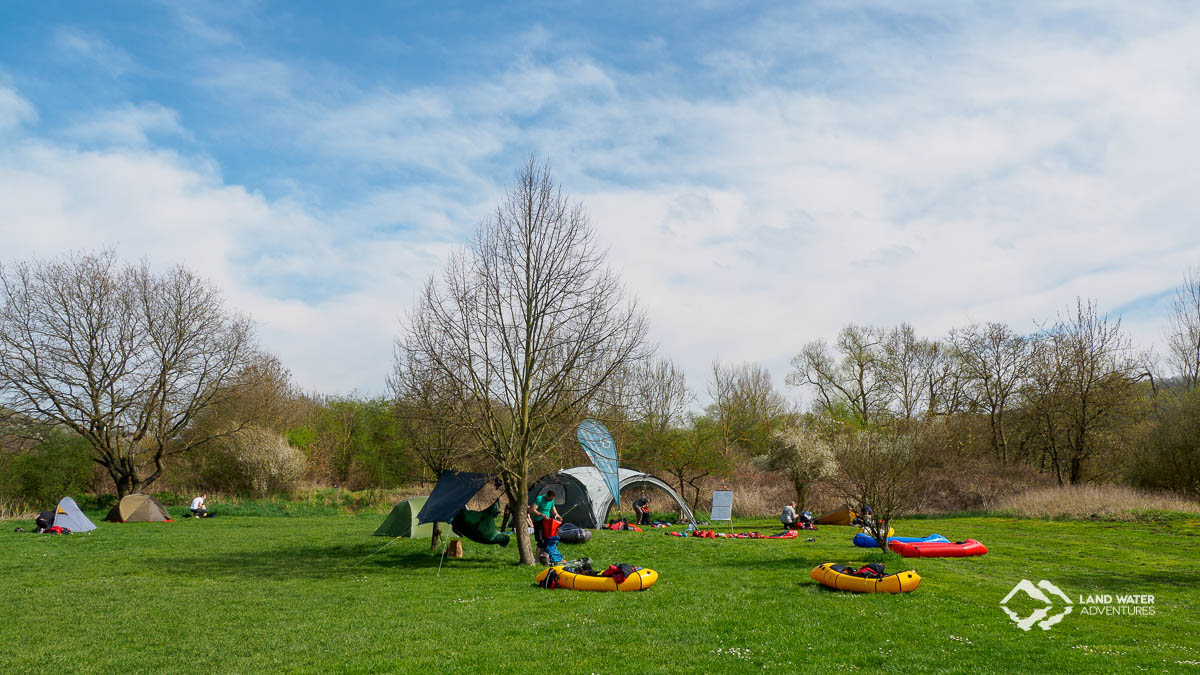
(254, 591)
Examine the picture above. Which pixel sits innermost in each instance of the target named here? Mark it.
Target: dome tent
(68, 515)
(138, 508)
(402, 521)
(583, 498)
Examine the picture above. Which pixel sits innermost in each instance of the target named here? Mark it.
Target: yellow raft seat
(831, 575)
(638, 581)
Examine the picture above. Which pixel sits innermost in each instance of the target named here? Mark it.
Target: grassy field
(283, 592)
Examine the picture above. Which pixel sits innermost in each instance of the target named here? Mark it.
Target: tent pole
(442, 559)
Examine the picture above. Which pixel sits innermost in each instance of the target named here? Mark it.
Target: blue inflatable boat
(866, 541)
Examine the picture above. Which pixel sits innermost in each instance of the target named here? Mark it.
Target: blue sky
(762, 173)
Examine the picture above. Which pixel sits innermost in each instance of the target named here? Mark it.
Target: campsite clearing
(245, 593)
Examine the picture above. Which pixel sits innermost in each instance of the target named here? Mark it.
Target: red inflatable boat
(938, 549)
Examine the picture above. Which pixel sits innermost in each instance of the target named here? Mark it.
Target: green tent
(402, 521)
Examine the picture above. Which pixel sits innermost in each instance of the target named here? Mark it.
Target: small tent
(138, 508)
(68, 515)
(402, 521)
(583, 498)
(842, 516)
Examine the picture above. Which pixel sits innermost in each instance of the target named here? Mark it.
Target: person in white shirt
(788, 517)
(199, 510)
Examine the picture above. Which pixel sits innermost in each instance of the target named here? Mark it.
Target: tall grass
(12, 508)
(1099, 502)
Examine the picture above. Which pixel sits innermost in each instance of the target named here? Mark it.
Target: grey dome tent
(583, 498)
(68, 515)
(402, 521)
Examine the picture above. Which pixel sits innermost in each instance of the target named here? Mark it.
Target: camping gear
(570, 533)
(138, 508)
(602, 450)
(621, 525)
(402, 521)
(452, 492)
(480, 526)
(957, 549)
(553, 555)
(867, 579)
(864, 540)
(891, 531)
(713, 534)
(842, 516)
(67, 515)
(639, 579)
(583, 497)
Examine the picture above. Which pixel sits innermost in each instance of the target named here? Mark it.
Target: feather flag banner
(600, 448)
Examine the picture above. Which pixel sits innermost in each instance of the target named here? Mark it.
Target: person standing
(199, 509)
(642, 508)
(788, 517)
(542, 508)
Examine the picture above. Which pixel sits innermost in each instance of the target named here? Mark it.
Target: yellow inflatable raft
(831, 575)
(638, 581)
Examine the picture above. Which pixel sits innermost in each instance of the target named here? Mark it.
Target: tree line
(525, 332)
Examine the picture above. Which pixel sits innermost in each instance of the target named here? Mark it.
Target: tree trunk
(801, 493)
(518, 498)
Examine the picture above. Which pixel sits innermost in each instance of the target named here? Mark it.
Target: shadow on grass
(1128, 580)
(323, 562)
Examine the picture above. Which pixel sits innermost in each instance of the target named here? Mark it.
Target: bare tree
(850, 378)
(944, 381)
(525, 327)
(878, 474)
(691, 454)
(120, 355)
(1183, 332)
(1082, 390)
(432, 417)
(662, 395)
(993, 361)
(905, 366)
(746, 406)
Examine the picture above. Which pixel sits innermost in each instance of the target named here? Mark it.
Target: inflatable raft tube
(638, 581)
(832, 575)
(956, 549)
(864, 540)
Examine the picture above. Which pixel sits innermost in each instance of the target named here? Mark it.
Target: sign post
(722, 507)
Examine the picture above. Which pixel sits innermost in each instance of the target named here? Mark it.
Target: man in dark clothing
(642, 508)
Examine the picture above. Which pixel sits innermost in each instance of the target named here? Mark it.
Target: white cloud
(93, 49)
(173, 210)
(987, 172)
(15, 110)
(129, 124)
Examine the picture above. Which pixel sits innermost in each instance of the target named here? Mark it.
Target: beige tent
(842, 516)
(138, 508)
